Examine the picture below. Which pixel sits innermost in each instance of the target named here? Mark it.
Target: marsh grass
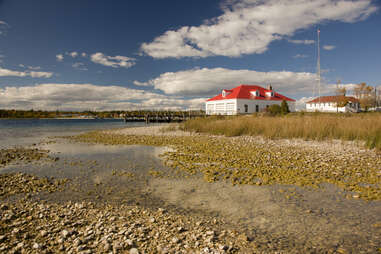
(353, 127)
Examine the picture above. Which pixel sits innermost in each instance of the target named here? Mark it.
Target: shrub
(284, 108)
(274, 109)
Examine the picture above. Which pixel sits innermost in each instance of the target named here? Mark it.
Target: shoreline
(205, 207)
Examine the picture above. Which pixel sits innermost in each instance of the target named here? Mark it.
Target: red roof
(336, 98)
(244, 92)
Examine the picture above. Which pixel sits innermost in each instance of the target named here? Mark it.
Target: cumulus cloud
(300, 105)
(112, 61)
(40, 74)
(90, 96)
(300, 56)
(80, 66)
(59, 57)
(33, 74)
(138, 83)
(306, 42)
(249, 26)
(34, 67)
(329, 47)
(72, 54)
(206, 82)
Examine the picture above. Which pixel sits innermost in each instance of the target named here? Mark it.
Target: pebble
(134, 251)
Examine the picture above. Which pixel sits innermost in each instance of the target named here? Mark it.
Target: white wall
(221, 107)
(216, 108)
(329, 107)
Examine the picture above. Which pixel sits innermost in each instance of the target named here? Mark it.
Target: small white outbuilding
(333, 104)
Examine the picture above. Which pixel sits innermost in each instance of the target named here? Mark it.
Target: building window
(246, 108)
(256, 108)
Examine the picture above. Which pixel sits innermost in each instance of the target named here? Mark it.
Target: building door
(256, 108)
(246, 108)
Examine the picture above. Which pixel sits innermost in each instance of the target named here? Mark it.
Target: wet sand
(274, 218)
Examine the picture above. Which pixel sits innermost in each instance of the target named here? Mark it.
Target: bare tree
(364, 94)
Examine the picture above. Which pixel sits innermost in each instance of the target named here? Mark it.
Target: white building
(245, 99)
(333, 104)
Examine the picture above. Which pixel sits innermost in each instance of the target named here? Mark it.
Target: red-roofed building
(338, 103)
(245, 99)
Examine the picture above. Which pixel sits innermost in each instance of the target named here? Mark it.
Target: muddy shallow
(286, 218)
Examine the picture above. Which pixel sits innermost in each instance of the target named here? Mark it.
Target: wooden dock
(161, 118)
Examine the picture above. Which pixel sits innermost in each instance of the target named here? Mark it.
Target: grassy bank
(359, 127)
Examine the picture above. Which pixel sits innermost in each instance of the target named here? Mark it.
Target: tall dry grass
(357, 127)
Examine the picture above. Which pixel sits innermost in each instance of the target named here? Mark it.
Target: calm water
(27, 131)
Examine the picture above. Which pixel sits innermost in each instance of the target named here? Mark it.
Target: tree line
(12, 113)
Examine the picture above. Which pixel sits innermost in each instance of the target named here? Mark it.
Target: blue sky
(103, 55)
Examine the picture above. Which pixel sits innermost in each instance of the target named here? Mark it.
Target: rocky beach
(157, 189)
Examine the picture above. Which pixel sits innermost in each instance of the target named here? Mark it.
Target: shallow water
(97, 172)
(28, 131)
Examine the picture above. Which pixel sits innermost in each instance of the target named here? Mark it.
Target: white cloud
(80, 66)
(89, 96)
(59, 57)
(138, 83)
(306, 42)
(300, 56)
(249, 26)
(3, 27)
(207, 82)
(112, 61)
(300, 105)
(34, 67)
(30, 67)
(72, 54)
(329, 47)
(33, 74)
(83, 54)
(40, 74)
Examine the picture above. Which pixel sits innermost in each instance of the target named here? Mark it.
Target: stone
(107, 247)
(129, 242)
(65, 233)
(36, 246)
(175, 240)
(134, 251)
(43, 233)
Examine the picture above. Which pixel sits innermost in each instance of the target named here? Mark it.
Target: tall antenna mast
(318, 63)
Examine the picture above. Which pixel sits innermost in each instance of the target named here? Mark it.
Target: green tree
(284, 108)
(274, 109)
